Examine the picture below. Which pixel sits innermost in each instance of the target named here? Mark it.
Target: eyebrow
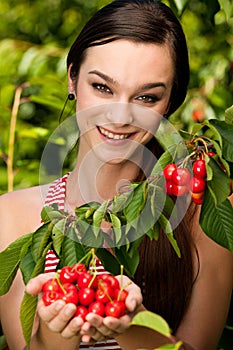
(112, 81)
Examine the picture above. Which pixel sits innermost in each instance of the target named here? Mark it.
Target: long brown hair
(166, 280)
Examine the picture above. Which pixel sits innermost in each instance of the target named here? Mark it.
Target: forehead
(126, 61)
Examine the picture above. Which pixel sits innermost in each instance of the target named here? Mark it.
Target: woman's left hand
(97, 328)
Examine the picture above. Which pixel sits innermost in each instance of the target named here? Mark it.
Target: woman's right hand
(59, 316)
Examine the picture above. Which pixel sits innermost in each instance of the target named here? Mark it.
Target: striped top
(56, 194)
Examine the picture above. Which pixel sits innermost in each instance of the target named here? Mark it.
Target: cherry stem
(104, 290)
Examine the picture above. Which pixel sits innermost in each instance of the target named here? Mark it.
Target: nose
(120, 113)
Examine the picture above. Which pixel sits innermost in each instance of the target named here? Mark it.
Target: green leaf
(27, 266)
(27, 316)
(9, 261)
(121, 201)
(58, 232)
(229, 115)
(72, 251)
(227, 7)
(217, 221)
(220, 183)
(165, 159)
(38, 238)
(109, 261)
(153, 321)
(129, 261)
(116, 222)
(98, 217)
(166, 226)
(133, 209)
(45, 213)
(226, 132)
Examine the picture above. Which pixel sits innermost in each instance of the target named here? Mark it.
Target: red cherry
(199, 168)
(168, 170)
(101, 296)
(97, 307)
(86, 296)
(168, 187)
(51, 285)
(181, 176)
(120, 294)
(113, 281)
(211, 154)
(84, 279)
(105, 287)
(178, 190)
(49, 296)
(197, 184)
(197, 197)
(79, 267)
(70, 294)
(198, 115)
(81, 311)
(115, 308)
(68, 275)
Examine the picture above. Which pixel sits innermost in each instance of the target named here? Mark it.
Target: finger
(73, 328)
(57, 315)
(34, 286)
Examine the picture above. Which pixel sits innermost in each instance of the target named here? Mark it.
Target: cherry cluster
(101, 294)
(180, 181)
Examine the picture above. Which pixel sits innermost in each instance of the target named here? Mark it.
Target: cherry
(101, 296)
(97, 307)
(49, 296)
(86, 296)
(181, 176)
(168, 187)
(70, 294)
(120, 294)
(199, 168)
(114, 283)
(79, 267)
(106, 289)
(211, 154)
(81, 311)
(51, 285)
(197, 184)
(168, 171)
(84, 279)
(68, 274)
(178, 190)
(197, 197)
(115, 308)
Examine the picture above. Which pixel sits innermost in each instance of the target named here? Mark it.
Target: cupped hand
(98, 328)
(59, 316)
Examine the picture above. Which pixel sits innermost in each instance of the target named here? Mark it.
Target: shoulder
(20, 213)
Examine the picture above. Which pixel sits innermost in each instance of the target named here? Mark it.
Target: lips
(112, 135)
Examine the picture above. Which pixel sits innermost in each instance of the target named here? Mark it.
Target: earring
(71, 97)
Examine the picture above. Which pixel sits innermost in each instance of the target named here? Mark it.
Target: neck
(97, 181)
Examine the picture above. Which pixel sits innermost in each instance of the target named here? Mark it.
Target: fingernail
(69, 310)
(59, 305)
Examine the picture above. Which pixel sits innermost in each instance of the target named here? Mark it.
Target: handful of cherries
(101, 294)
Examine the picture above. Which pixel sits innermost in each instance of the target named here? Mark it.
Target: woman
(131, 56)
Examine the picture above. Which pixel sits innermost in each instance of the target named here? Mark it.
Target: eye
(102, 88)
(150, 99)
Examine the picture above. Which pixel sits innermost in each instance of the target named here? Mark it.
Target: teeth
(110, 135)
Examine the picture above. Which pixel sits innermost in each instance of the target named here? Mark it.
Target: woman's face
(123, 88)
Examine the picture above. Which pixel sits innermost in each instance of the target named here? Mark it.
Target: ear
(71, 83)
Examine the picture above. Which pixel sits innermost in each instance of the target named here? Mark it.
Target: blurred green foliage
(34, 40)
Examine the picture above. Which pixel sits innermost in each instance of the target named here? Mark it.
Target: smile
(113, 136)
